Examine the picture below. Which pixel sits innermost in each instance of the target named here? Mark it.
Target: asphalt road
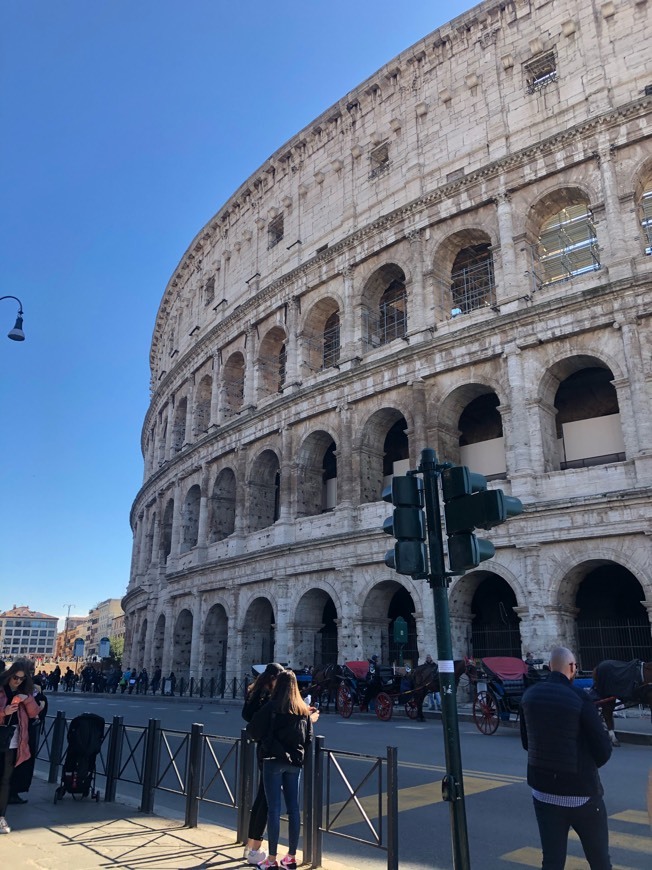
(501, 826)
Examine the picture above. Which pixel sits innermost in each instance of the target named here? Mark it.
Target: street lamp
(16, 334)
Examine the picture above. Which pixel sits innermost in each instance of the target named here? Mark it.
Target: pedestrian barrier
(223, 771)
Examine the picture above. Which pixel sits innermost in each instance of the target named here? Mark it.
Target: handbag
(6, 733)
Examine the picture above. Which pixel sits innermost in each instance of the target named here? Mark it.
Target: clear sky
(124, 127)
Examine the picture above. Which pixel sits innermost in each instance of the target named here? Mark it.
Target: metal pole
(453, 783)
(193, 775)
(152, 742)
(58, 733)
(318, 802)
(392, 808)
(308, 803)
(114, 757)
(248, 760)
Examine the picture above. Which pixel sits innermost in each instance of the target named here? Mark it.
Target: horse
(325, 682)
(627, 682)
(425, 679)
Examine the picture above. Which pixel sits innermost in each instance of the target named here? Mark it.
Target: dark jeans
(258, 815)
(8, 759)
(280, 776)
(590, 824)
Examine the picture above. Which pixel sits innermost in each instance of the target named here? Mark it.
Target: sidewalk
(83, 834)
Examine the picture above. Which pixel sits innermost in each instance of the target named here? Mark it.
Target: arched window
(331, 354)
(646, 216)
(472, 279)
(567, 244)
(384, 313)
(234, 375)
(393, 313)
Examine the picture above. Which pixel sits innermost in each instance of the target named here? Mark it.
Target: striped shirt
(560, 800)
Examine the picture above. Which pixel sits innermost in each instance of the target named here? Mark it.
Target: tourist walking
(566, 743)
(17, 706)
(258, 694)
(283, 728)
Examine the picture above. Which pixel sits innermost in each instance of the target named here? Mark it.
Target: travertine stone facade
(455, 255)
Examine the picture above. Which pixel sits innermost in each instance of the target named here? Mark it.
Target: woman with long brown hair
(17, 707)
(283, 729)
(258, 694)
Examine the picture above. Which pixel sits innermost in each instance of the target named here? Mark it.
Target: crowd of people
(113, 680)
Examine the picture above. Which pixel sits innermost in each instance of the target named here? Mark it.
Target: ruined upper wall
(453, 103)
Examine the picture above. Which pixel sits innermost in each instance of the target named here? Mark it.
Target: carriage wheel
(485, 712)
(384, 706)
(412, 709)
(344, 701)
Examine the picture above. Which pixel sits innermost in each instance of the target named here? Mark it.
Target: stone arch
(258, 641)
(264, 490)
(314, 629)
(573, 391)
(384, 306)
(179, 425)
(469, 428)
(562, 233)
(233, 378)
(464, 271)
(271, 362)
(216, 636)
(383, 603)
(320, 336)
(166, 531)
(182, 645)
(316, 474)
(384, 451)
(158, 643)
(190, 518)
(203, 405)
(222, 504)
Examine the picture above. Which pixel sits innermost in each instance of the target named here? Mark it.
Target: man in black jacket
(566, 743)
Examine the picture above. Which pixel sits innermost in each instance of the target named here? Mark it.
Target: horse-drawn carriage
(499, 685)
(383, 686)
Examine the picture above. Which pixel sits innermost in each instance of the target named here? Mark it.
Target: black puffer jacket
(565, 739)
(282, 736)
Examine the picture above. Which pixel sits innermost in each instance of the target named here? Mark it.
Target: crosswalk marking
(530, 857)
(636, 817)
(411, 798)
(632, 842)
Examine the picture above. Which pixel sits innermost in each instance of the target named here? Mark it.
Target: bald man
(566, 743)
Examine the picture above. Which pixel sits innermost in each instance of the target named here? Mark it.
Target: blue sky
(125, 125)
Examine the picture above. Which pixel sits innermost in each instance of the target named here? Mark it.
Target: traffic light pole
(452, 784)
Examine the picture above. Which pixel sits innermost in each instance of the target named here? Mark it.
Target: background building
(100, 624)
(74, 627)
(25, 632)
(455, 255)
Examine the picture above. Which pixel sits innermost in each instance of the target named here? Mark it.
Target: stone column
(517, 434)
(216, 394)
(168, 640)
(350, 323)
(156, 537)
(190, 407)
(638, 419)
(143, 550)
(176, 523)
(283, 639)
(195, 643)
(292, 379)
(611, 238)
(169, 430)
(251, 377)
(418, 313)
(149, 637)
(511, 285)
(417, 436)
(202, 530)
(344, 454)
(287, 496)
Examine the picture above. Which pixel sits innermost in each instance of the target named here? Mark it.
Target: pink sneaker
(289, 862)
(267, 863)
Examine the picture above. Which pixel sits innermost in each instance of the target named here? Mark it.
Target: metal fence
(224, 771)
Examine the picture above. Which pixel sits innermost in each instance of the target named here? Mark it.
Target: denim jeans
(280, 776)
(589, 822)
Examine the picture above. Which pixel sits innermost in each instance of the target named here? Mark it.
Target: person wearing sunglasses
(566, 743)
(17, 707)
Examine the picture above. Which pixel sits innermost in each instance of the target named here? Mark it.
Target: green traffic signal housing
(408, 525)
(468, 505)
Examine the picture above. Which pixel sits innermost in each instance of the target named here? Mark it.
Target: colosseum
(456, 255)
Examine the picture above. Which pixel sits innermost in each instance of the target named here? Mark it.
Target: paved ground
(81, 835)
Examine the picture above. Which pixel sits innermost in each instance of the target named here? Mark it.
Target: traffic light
(408, 525)
(469, 505)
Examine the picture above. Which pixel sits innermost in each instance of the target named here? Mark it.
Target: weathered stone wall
(448, 147)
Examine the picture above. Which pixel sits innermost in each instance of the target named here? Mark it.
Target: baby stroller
(85, 736)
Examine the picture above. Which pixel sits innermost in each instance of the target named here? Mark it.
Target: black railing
(224, 771)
